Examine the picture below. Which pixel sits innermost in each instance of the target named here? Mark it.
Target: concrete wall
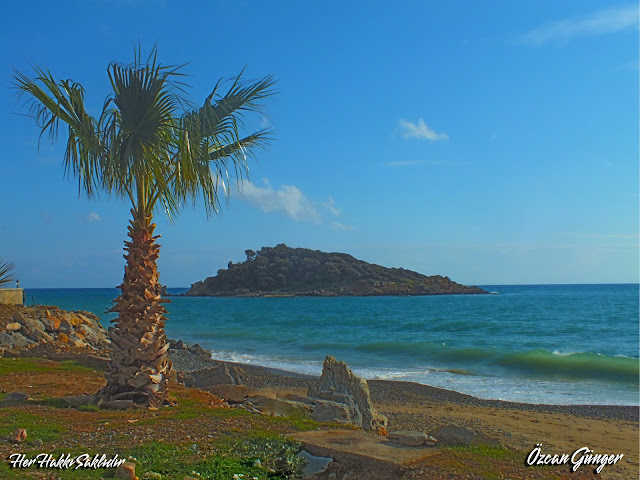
(12, 296)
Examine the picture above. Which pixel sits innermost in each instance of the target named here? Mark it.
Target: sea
(543, 344)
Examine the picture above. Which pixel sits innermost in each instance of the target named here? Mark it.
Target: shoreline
(519, 427)
(391, 391)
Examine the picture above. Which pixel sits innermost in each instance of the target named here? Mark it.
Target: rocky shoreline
(24, 331)
(391, 391)
(406, 411)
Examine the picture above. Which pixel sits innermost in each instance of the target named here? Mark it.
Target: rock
(14, 339)
(66, 326)
(220, 375)
(328, 411)
(51, 324)
(116, 404)
(411, 438)
(449, 435)
(88, 318)
(19, 435)
(229, 393)
(127, 471)
(75, 401)
(431, 441)
(89, 335)
(76, 341)
(38, 336)
(314, 464)
(198, 350)
(37, 442)
(292, 397)
(340, 385)
(28, 324)
(12, 327)
(179, 345)
(151, 476)
(274, 406)
(14, 397)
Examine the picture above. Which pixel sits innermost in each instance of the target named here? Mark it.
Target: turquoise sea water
(561, 344)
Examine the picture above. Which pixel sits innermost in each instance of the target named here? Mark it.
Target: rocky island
(286, 271)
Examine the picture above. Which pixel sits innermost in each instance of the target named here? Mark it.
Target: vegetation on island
(283, 271)
(149, 146)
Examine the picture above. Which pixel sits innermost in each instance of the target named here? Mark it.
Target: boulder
(88, 318)
(340, 385)
(275, 406)
(179, 345)
(313, 464)
(126, 471)
(410, 438)
(75, 401)
(19, 435)
(66, 326)
(198, 350)
(29, 324)
(14, 339)
(292, 397)
(328, 411)
(450, 435)
(229, 393)
(223, 374)
(38, 336)
(12, 327)
(51, 324)
(116, 404)
(14, 397)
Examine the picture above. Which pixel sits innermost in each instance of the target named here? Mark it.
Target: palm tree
(6, 269)
(148, 145)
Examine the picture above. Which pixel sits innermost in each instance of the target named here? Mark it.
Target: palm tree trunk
(139, 349)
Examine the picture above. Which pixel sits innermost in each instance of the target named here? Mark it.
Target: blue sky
(493, 142)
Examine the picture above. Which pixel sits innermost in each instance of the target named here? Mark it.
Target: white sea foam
(480, 386)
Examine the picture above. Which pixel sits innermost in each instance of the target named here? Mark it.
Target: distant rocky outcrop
(25, 327)
(285, 271)
(341, 395)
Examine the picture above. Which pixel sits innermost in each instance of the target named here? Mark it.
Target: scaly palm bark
(139, 350)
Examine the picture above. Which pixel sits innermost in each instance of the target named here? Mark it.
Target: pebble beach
(413, 406)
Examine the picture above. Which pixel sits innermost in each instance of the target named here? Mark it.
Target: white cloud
(420, 130)
(604, 21)
(93, 217)
(342, 226)
(404, 163)
(288, 199)
(264, 121)
(331, 206)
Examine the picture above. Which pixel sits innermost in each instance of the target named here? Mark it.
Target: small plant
(274, 452)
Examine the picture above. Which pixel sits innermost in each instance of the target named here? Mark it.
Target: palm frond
(52, 102)
(6, 270)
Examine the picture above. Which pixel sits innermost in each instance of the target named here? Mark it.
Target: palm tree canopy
(149, 144)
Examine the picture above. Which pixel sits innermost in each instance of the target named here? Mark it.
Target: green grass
(89, 407)
(37, 426)
(233, 456)
(73, 366)
(33, 365)
(487, 451)
(22, 365)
